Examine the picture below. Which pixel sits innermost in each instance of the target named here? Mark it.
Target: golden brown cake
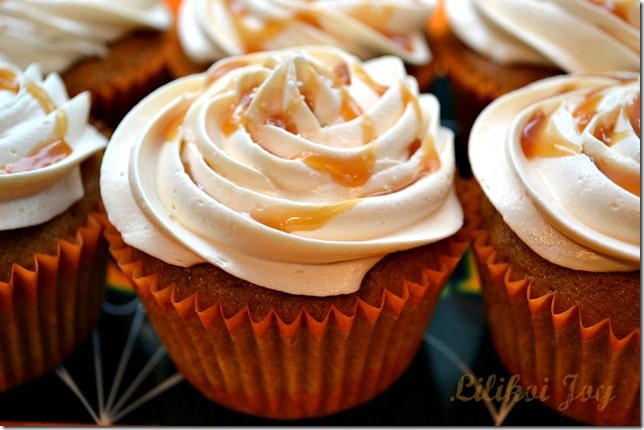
(53, 254)
(115, 50)
(293, 271)
(558, 243)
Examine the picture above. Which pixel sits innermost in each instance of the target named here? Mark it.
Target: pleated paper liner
(585, 372)
(276, 368)
(46, 312)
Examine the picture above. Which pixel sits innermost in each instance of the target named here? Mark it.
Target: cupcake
(288, 219)
(52, 252)
(488, 48)
(114, 49)
(208, 31)
(558, 247)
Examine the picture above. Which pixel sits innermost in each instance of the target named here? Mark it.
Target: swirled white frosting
(560, 160)
(44, 137)
(58, 33)
(577, 36)
(295, 169)
(212, 29)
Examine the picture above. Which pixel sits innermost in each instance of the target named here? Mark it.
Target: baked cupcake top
(58, 33)
(296, 169)
(577, 36)
(212, 29)
(560, 160)
(44, 138)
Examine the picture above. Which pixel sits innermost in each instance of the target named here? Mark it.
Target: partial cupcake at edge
(115, 49)
(206, 31)
(288, 219)
(488, 48)
(52, 251)
(558, 247)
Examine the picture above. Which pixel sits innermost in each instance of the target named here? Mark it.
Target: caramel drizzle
(536, 141)
(619, 8)
(289, 219)
(49, 152)
(348, 170)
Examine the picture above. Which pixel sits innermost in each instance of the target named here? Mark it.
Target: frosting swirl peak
(296, 169)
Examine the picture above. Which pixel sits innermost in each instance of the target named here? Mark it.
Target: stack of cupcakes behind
(558, 248)
(52, 250)
(114, 49)
(488, 48)
(208, 31)
(292, 255)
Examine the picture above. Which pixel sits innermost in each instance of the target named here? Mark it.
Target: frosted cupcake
(207, 31)
(52, 257)
(114, 48)
(489, 48)
(559, 248)
(288, 220)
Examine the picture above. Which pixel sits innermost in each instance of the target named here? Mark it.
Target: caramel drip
(235, 115)
(9, 81)
(368, 129)
(361, 73)
(46, 154)
(221, 70)
(619, 8)
(349, 109)
(289, 219)
(634, 110)
(430, 162)
(409, 97)
(586, 109)
(606, 133)
(538, 141)
(351, 171)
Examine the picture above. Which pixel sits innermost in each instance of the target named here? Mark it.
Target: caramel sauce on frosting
(45, 138)
(560, 160)
(296, 169)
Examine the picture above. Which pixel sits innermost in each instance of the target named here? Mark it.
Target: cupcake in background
(207, 31)
(558, 248)
(52, 250)
(112, 48)
(288, 219)
(488, 48)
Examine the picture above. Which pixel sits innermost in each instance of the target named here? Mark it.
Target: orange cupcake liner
(289, 370)
(584, 372)
(46, 312)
